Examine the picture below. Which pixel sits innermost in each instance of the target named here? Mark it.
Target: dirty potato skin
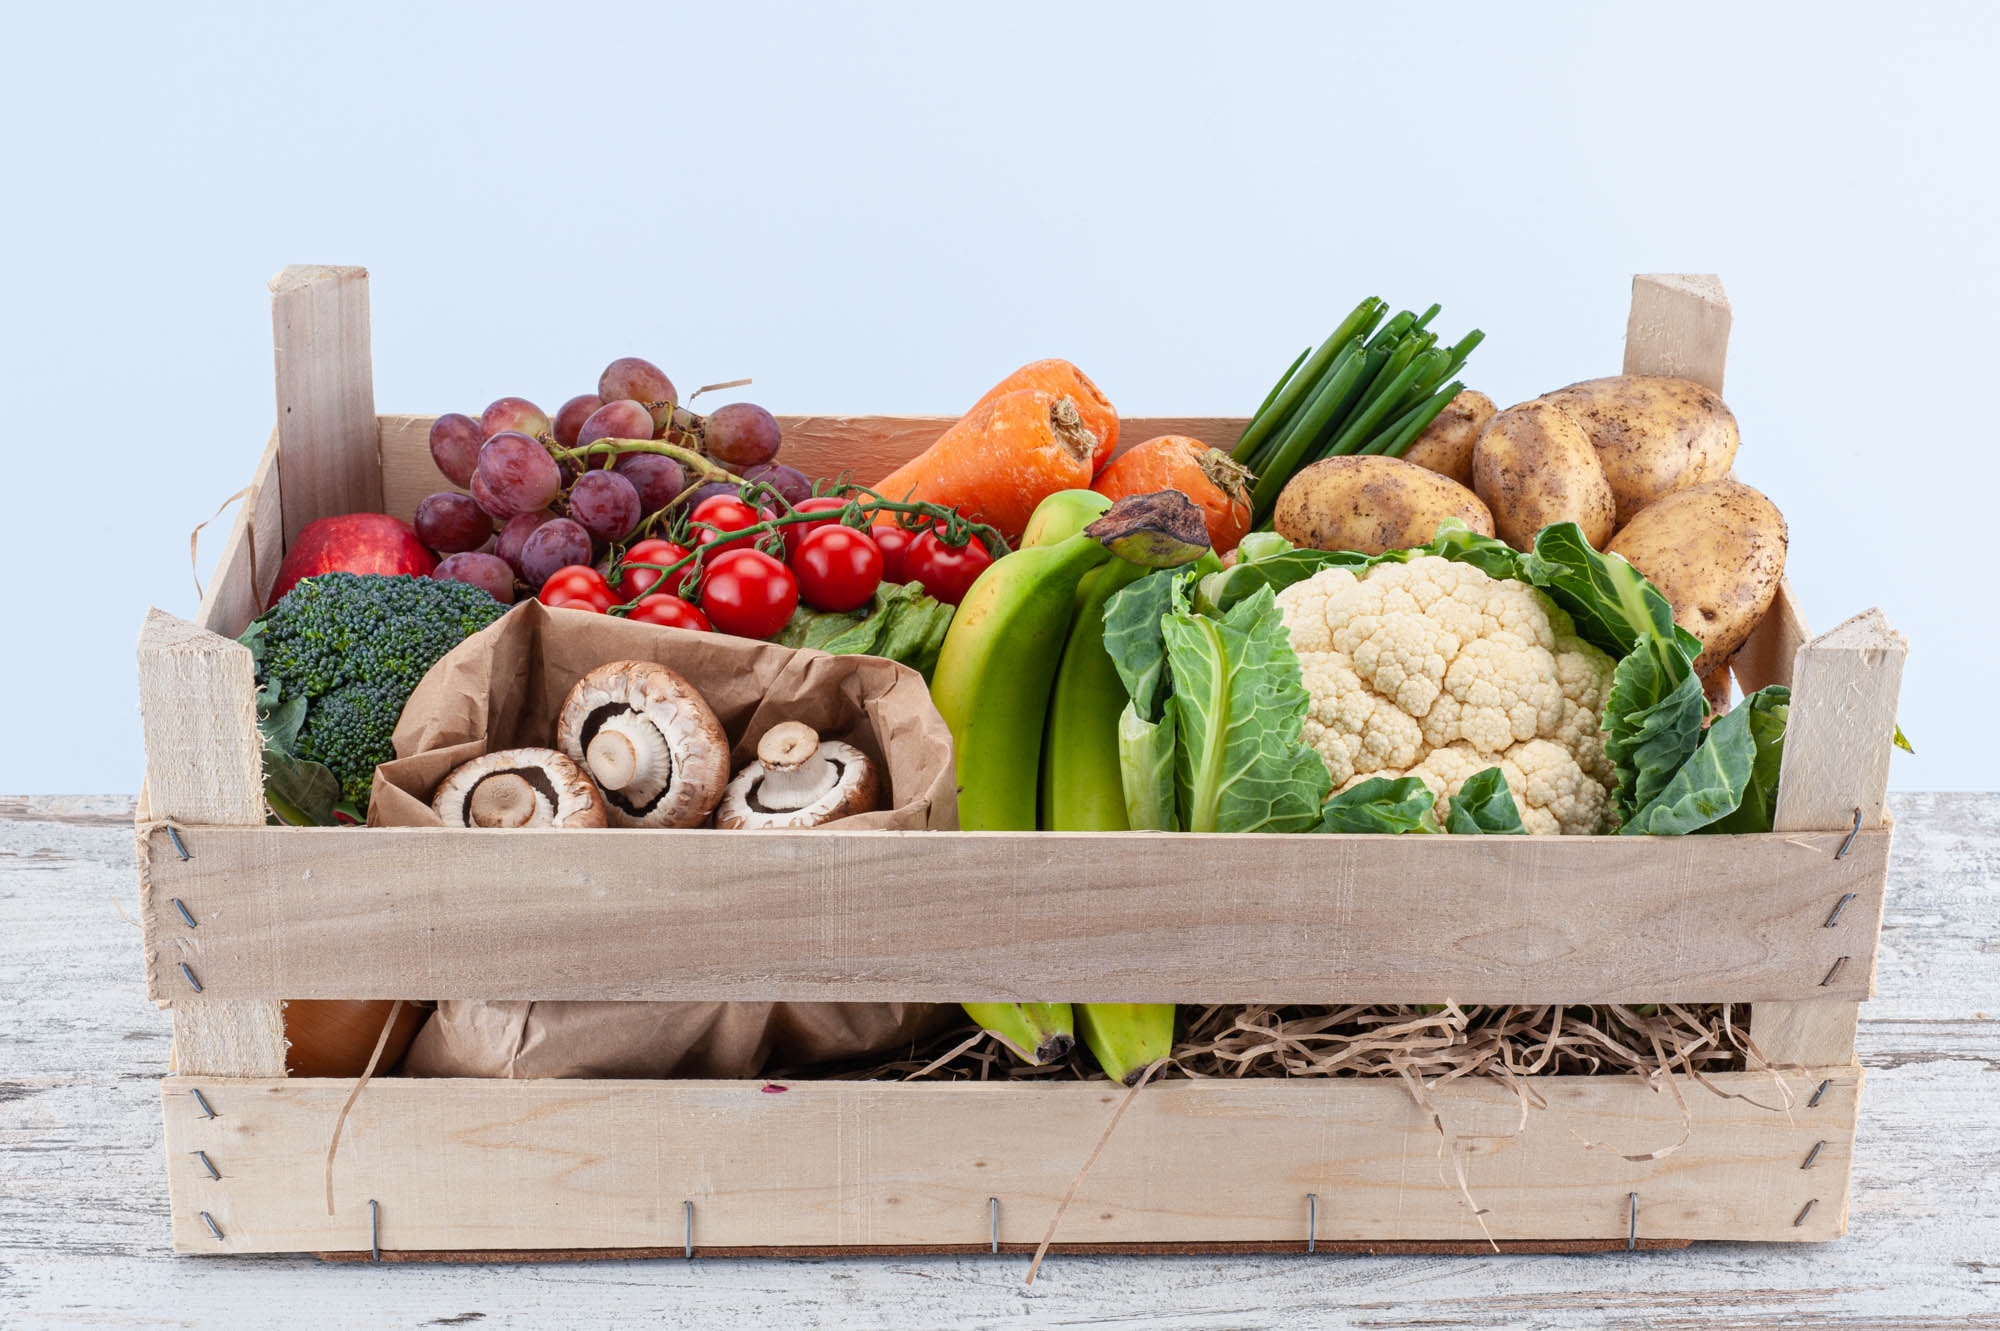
(1716, 552)
(1533, 466)
(1653, 435)
(1445, 446)
(1372, 504)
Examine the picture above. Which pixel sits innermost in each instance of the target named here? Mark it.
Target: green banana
(1062, 515)
(1081, 789)
(1038, 1032)
(995, 672)
(1126, 1038)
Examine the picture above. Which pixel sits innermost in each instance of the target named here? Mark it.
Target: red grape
(555, 544)
(515, 475)
(489, 573)
(450, 522)
(623, 419)
(657, 478)
(741, 434)
(605, 503)
(455, 441)
(516, 414)
(643, 382)
(787, 481)
(571, 416)
(514, 534)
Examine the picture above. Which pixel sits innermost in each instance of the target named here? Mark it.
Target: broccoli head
(337, 657)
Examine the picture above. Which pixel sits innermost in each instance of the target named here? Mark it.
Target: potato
(1653, 435)
(1445, 446)
(1372, 504)
(1533, 466)
(1716, 552)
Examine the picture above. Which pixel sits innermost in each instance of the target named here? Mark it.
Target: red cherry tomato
(947, 572)
(578, 587)
(655, 551)
(671, 611)
(838, 568)
(894, 543)
(798, 531)
(725, 513)
(748, 593)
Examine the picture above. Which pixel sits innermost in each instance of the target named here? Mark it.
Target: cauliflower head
(1434, 670)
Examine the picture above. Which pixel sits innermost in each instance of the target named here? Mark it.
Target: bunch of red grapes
(531, 510)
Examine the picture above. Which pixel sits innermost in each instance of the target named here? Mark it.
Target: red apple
(353, 543)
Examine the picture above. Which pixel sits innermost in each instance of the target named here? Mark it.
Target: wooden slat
(326, 393)
(1767, 656)
(198, 707)
(866, 447)
(255, 548)
(988, 916)
(1678, 326)
(566, 1164)
(1836, 769)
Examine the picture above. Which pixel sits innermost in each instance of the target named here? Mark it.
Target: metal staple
(993, 1211)
(213, 1228)
(1838, 907)
(374, 1230)
(180, 847)
(201, 1100)
(1804, 1211)
(186, 918)
(1854, 832)
(1814, 1102)
(1838, 962)
(208, 1164)
(1812, 1155)
(687, 1211)
(1631, 1222)
(1312, 1222)
(189, 973)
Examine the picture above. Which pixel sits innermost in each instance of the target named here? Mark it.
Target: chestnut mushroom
(798, 780)
(650, 742)
(519, 788)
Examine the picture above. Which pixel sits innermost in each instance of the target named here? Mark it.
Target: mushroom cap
(853, 791)
(519, 788)
(643, 699)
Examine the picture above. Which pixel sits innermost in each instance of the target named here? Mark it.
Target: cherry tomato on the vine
(946, 571)
(725, 513)
(672, 611)
(652, 551)
(894, 543)
(798, 531)
(838, 568)
(578, 587)
(748, 593)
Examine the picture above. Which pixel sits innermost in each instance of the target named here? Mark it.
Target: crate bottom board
(1253, 1247)
(508, 1166)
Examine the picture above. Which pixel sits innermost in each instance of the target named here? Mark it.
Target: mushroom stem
(612, 759)
(502, 800)
(796, 770)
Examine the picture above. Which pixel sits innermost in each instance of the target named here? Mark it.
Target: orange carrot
(1000, 460)
(1065, 380)
(1217, 483)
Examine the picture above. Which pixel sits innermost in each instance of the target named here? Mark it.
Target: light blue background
(884, 208)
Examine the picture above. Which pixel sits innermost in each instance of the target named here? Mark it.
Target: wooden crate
(240, 917)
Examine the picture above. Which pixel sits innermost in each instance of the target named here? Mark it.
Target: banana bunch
(1033, 702)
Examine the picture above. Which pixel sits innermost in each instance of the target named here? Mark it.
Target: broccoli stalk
(337, 657)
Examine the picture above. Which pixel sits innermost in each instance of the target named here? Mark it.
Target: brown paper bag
(504, 686)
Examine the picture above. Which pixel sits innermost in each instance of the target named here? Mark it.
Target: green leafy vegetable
(1484, 804)
(1240, 764)
(1381, 805)
(1146, 768)
(1731, 783)
(900, 622)
(1136, 643)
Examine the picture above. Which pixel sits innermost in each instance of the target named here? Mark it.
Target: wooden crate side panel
(204, 764)
(327, 436)
(567, 1164)
(1767, 657)
(866, 447)
(859, 916)
(1836, 774)
(251, 555)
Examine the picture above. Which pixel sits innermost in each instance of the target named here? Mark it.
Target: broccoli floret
(353, 646)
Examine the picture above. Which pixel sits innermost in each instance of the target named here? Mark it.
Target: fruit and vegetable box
(1380, 820)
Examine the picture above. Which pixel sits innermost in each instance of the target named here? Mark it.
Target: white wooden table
(83, 1212)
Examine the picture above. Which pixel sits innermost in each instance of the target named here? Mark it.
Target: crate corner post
(329, 445)
(1678, 326)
